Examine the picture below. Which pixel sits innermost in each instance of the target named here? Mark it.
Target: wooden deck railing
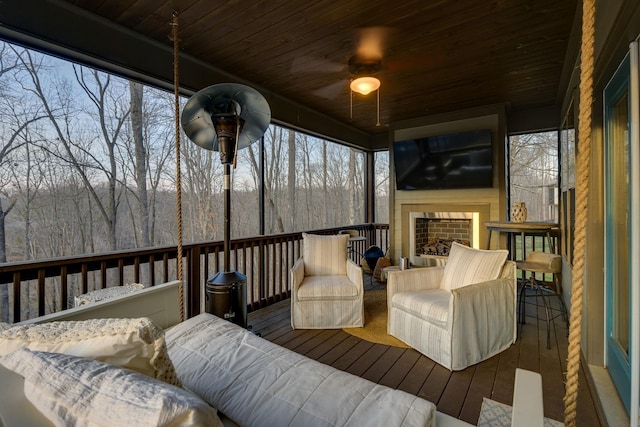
(35, 288)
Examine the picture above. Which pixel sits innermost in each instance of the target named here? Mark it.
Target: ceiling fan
(364, 66)
(365, 61)
(364, 71)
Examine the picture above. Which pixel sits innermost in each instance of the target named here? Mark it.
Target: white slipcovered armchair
(458, 314)
(327, 290)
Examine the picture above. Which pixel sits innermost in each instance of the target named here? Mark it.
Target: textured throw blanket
(257, 383)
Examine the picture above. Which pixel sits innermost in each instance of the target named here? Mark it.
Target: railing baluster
(192, 301)
(165, 267)
(152, 270)
(207, 255)
(261, 272)
(41, 292)
(287, 257)
(281, 267)
(103, 275)
(136, 270)
(274, 271)
(64, 287)
(84, 278)
(120, 272)
(17, 297)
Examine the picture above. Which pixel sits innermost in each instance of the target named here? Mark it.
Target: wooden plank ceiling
(437, 56)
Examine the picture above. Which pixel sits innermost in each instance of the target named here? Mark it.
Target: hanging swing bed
(251, 380)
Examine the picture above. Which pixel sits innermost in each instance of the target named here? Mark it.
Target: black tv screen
(459, 160)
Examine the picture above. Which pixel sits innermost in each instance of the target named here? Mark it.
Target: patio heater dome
(206, 111)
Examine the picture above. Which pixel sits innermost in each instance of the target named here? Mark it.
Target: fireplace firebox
(432, 234)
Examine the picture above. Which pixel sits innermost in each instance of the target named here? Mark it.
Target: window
(568, 182)
(309, 182)
(533, 174)
(382, 187)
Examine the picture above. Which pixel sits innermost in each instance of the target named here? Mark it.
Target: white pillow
(466, 266)
(325, 255)
(76, 391)
(136, 344)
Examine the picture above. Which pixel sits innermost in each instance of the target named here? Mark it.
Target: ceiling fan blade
(371, 43)
(331, 91)
(417, 62)
(314, 64)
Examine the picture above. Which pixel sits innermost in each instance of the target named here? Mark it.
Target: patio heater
(226, 117)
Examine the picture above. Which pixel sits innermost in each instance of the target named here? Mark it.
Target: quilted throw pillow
(136, 344)
(325, 255)
(75, 391)
(466, 266)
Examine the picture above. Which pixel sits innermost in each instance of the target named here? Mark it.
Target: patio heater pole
(227, 216)
(226, 290)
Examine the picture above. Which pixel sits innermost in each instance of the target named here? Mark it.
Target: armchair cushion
(466, 266)
(324, 255)
(431, 306)
(327, 288)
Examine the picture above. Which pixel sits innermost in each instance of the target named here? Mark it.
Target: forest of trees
(87, 165)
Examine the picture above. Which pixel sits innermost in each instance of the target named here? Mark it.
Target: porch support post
(370, 192)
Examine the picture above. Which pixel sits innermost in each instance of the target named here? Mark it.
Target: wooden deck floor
(458, 394)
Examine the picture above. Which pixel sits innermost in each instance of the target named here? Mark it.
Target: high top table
(513, 228)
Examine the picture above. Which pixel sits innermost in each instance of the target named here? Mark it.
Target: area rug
(496, 414)
(375, 320)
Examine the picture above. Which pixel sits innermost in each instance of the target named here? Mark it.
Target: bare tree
(110, 113)
(200, 181)
(291, 181)
(62, 214)
(160, 136)
(382, 186)
(17, 116)
(136, 92)
(307, 181)
(272, 173)
(149, 145)
(533, 173)
(351, 186)
(28, 179)
(5, 165)
(325, 189)
(7, 63)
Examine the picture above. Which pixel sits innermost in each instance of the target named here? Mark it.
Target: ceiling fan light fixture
(365, 85)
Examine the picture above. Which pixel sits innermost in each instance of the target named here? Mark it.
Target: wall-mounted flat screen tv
(459, 160)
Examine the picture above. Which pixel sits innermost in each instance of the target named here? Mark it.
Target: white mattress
(257, 383)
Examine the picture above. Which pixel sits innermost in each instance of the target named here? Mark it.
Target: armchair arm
(297, 276)
(354, 273)
(482, 316)
(414, 279)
